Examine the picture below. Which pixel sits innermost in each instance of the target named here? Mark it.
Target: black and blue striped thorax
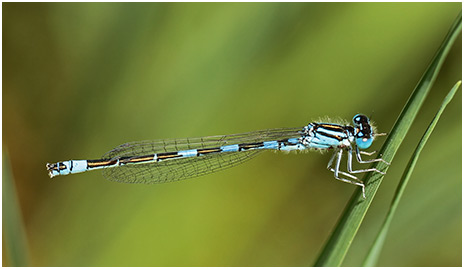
(327, 136)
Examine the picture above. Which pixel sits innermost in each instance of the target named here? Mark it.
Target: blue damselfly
(162, 161)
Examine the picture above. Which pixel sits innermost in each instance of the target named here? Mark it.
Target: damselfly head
(364, 135)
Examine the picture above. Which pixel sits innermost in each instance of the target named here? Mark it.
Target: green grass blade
(374, 252)
(343, 235)
(14, 236)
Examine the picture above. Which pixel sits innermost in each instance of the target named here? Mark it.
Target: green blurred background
(82, 78)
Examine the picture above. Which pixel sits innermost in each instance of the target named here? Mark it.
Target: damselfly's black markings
(92, 164)
(168, 155)
(337, 137)
(248, 146)
(208, 151)
(329, 127)
(145, 158)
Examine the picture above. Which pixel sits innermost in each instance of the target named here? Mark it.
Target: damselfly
(162, 161)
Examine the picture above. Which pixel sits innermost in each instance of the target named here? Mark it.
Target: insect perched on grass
(160, 161)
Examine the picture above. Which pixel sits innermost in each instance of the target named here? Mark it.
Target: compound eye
(364, 142)
(360, 119)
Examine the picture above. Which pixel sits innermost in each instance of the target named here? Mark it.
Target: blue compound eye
(364, 142)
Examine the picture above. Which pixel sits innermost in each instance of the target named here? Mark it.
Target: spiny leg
(337, 171)
(360, 160)
(329, 166)
(350, 164)
(368, 153)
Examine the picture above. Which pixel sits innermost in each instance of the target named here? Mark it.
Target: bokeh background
(82, 78)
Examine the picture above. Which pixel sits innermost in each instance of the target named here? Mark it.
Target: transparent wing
(178, 169)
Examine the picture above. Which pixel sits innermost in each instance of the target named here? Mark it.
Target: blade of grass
(14, 235)
(374, 252)
(341, 238)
